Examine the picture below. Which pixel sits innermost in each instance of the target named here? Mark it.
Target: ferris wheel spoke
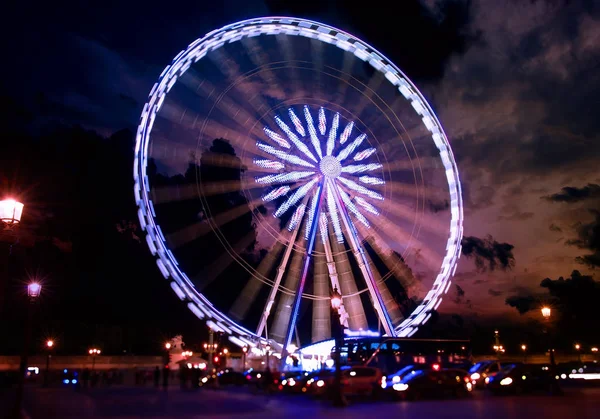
(361, 168)
(294, 139)
(350, 148)
(331, 268)
(360, 256)
(217, 267)
(295, 197)
(391, 306)
(196, 230)
(321, 307)
(350, 184)
(285, 177)
(247, 297)
(356, 318)
(316, 143)
(276, 284)
(291, 158)
(333, 133)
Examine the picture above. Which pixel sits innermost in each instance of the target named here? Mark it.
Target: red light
(436, 367)
(216, 359)
(467, 379)
(248, 377)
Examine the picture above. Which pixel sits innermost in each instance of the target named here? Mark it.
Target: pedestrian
(156, 376)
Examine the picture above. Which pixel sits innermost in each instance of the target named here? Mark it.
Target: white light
(371, 180)
(294, 139)
(361, 168)
(586, 376)
(276, 193)
(360, 189)
(346, 132)
(311, 213)
(352, 208)
(506, 381)
(296, 196)
(361, 155)
(269, 164)
(322, 121)
(335, 220)
(396, 379)
(351, 147)
(298, 214)
(277, 138)
(320, 383)
(283, 155)
(400, 387)
(297, 123)
(370, 208)
(352, 373)
(475, 376)
(283, 177)
(333, 133)
(469, 386)
(313, 133)
(258, 375)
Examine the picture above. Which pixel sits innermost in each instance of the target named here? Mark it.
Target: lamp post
(546, 313)
(10, 218)
(336, 327)
(94, 352)
(49, 346)
(225, 353)
(578, 349)
(524, 349)
(244, 352)
(34, 290)
(268, 349)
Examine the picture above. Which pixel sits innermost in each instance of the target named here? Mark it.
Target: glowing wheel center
(330, 167)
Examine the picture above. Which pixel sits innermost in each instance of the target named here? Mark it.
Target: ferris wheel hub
(330, 167)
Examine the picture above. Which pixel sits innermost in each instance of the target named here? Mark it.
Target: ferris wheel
(278, 159)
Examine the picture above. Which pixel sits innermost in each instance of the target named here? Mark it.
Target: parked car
(521, 378)
(482, 370)
(356, 380)
(434, 383)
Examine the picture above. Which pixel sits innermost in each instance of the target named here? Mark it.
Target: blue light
(73, 381)
(357, 333)
(65, 381)
(65, 370)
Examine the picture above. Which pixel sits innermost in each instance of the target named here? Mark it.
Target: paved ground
(125, 403)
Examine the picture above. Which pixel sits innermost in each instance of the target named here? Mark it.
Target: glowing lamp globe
(11, 211)
(546, 311)
(34, 289)
(336, 299)
(50, 343)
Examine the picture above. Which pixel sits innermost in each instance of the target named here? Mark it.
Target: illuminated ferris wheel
(278, 159)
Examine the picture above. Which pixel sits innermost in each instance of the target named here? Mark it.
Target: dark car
(434, 383)
(521, 378)
(481, 371)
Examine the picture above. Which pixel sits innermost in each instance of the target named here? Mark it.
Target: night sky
(515, 84)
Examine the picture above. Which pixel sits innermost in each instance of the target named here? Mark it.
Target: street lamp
(49, 346)
(94, 352)
(268, 349)
(594, 349)
(168, 346)
(244, 352)
(336, 302)
(546, 312)
(10, 212)
(524, 349)
(34, 290)
(578, 349)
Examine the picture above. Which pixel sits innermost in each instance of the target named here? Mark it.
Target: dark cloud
(436, 207)
(494, 293)
(589, 239)
(554, 227)
(523, 304)
(572, 194)
(516, 216)
(488, 253)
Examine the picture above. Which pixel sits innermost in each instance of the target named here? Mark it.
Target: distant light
(65, 370)
(65, 381)
(320, 383)
(506, 381)
(586, 376)
(167, 345)
(475, 376)
(577, 346)
(73, 381)
(524, 347)
(546, 312)
(436, 367)
(50, 343)
(352, 373)
(594, 349)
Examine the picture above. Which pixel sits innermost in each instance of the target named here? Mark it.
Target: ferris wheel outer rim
(234, 32)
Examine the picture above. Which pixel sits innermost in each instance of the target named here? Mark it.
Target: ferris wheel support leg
(333, 276)
(298, 297)
(361, 259)
(280, 271)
